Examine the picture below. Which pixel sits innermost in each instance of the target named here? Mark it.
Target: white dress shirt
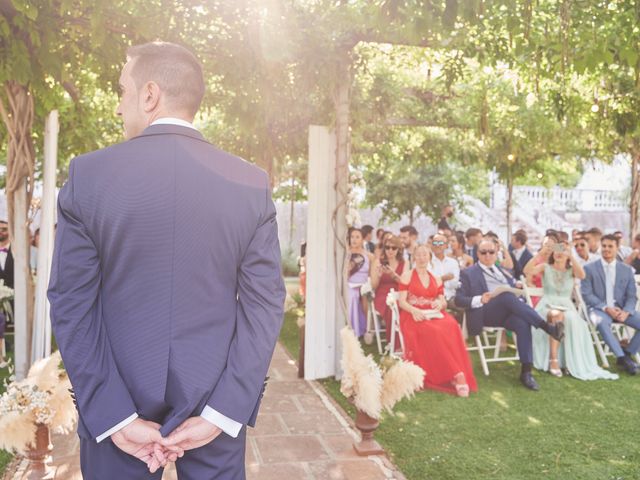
(610, 281)
(443, 267)
(226, 424)
(518, 253)
(3, 257)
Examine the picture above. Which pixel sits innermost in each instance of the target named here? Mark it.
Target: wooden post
(41, 344)
(321, 307)
(22, 281)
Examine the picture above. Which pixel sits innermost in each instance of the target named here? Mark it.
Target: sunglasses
(438, 243)
(581, 244)
(390, 247)
(486, 252)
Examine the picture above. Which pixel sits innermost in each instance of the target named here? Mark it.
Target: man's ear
(151, 96)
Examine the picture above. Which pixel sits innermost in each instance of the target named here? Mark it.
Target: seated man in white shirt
(445, 267)
(582, 253)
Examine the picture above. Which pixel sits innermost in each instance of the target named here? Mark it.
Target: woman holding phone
(385, 275)
(559, 270)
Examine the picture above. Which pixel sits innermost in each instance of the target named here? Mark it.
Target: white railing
(571, 199)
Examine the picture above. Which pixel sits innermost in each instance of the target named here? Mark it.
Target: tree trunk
(411, 216)
(17, 116)
(339, 220)
(509, 206)
(635, 190)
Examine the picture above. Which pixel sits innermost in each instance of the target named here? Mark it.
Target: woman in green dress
(576, 354)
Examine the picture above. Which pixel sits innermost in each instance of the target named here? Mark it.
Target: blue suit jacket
(518, 265)
(594, 287)
(166, 290)
(473, 283)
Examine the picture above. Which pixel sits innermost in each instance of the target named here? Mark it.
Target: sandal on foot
(556, 372)
(462, 390)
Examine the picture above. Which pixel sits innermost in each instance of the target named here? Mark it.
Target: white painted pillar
(321, 306)
(20, 251)
(41, 346)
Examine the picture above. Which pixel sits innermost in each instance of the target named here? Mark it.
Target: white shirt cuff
(476, 302)
(119, 426)
(227, 425)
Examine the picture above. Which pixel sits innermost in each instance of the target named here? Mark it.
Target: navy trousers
(222, 459)
(507, 311)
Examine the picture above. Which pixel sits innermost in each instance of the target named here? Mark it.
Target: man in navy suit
(519, 252)
(166, 290)
(609, 290)
(505, 310)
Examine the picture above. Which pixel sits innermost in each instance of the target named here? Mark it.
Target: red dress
(435, 345)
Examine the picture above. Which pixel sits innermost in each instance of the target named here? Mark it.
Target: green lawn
(568, 430)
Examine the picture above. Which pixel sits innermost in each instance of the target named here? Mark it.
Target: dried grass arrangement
(41, 398)
(371, 387)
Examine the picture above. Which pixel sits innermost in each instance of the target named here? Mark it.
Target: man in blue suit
(520, 254)
(505, 310)
(609, 290)
(166, 291)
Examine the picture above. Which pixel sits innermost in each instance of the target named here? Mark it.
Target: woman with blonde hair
(432, 337)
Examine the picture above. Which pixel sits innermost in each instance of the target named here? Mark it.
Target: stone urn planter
(39, 455)
(367, 425)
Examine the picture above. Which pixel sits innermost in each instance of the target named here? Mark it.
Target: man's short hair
(612, 237)
(594, 231)
(174, 68)
(410, 229)
(521, 237)
(366, 230)
(564, 236)
(472, 232)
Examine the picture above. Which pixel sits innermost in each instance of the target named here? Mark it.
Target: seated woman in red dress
(434, 344)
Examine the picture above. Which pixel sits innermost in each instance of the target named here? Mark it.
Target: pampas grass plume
(44, 373)
(400, 381)
(18, 432)
(362, 378)
(65, 414)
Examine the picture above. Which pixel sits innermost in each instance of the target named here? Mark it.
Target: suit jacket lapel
(483, 281)
(602, 277)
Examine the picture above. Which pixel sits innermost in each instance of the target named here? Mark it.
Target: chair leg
(483, 360)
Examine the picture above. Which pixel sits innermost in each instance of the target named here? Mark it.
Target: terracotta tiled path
(300, 435)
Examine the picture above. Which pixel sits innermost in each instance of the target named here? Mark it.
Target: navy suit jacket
(473, 283)
(518, 265)
(166, 290)
(594, 288)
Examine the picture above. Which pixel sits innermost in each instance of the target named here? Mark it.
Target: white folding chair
(373, 319)
(489, 339)
(392, 302)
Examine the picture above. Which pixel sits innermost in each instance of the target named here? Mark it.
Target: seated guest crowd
(456, 274)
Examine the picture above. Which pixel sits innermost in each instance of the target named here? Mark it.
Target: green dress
(576, 352)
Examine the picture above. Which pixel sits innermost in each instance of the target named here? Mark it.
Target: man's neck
(486, 266)
(439, 256)
(5, 244)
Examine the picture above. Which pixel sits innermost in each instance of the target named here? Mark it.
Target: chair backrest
(580, 304)
(392, 302)
(530, 292)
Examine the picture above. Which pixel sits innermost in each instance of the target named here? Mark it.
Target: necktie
(6, 250)
(609, 285)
